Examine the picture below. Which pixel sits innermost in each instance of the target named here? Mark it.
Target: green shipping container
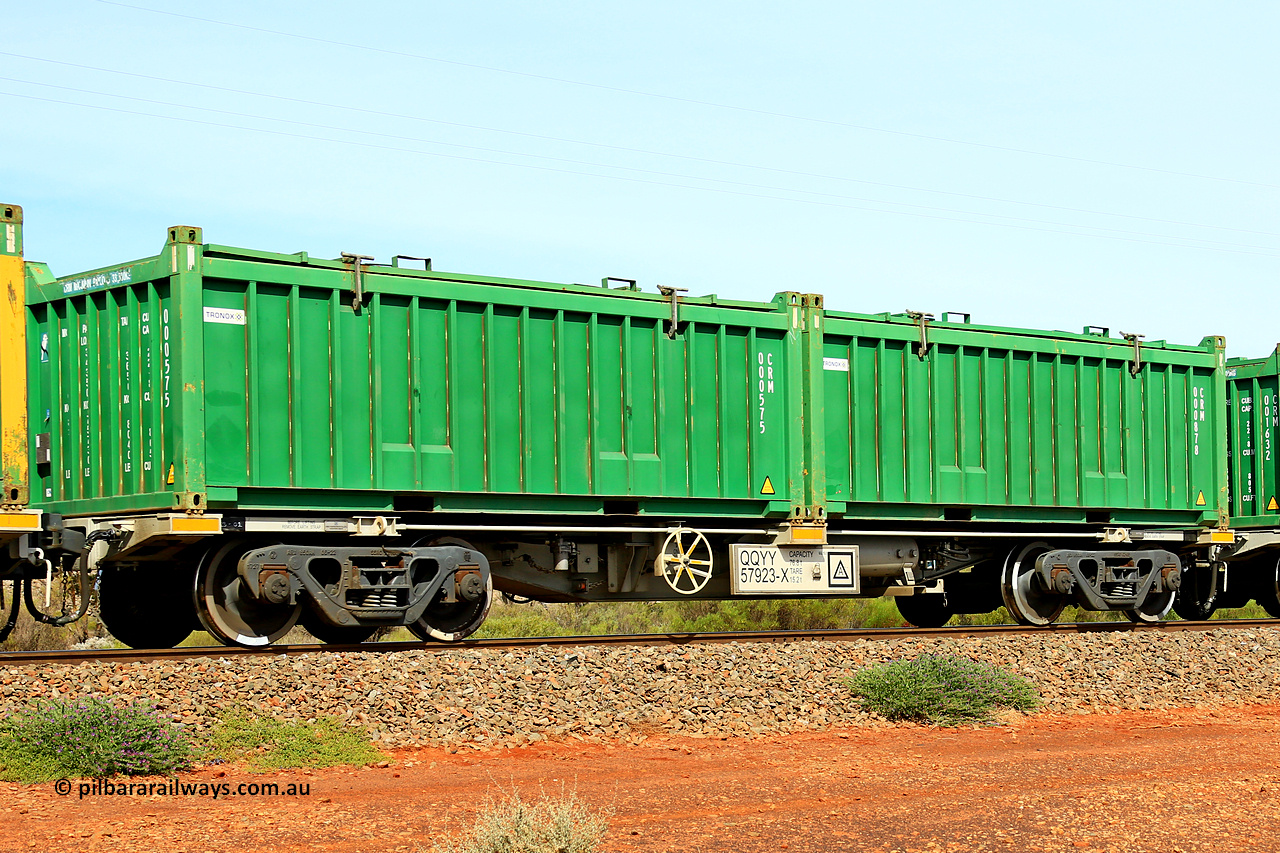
(1253, 396)
(209, 376)
(216, 377)
(950, 421)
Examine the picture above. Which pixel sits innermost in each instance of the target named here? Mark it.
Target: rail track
(79, 656)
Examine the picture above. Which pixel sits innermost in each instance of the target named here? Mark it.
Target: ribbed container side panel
(1253, 391)
(421, 393)
(100, 369)
(973, 425)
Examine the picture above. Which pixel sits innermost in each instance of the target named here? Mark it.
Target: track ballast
(79, 656)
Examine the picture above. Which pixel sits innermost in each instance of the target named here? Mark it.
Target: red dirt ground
(1184, 780)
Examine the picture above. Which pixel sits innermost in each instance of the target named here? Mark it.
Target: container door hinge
(673, 327)
(922, 320)
(347, 258)
(1136, 364)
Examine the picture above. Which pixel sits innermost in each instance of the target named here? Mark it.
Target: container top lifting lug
(396, 259)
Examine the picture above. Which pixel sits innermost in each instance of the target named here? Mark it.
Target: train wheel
(451, 621)
(930, 610)
(1197, 598)
(230, 612)
(1025, 595)
(334, 635)
(1268, 593)
(147, 607)
(1155, 608)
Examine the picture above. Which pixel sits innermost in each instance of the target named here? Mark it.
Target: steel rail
(80, 656)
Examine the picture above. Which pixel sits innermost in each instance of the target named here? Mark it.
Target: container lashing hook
(1135, 366)
(921, 320)
(671, 294)
(354, 260)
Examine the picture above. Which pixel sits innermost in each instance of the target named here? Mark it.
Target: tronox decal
(231, 316)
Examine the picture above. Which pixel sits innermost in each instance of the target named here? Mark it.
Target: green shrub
(526, 623)
(266, 743)
(942, 689)
(91, 737)
(679, 617)
(550, 825)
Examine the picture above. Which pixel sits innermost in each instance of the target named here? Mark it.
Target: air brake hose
(86, 584)
(86, 587)
(14, 606)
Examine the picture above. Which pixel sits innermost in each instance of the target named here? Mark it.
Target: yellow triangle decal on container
(1272, 506)
(170, 480)
(1200, 499)
(767, 488)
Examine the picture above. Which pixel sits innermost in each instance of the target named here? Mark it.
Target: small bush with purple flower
(90, 738)
(943, 690)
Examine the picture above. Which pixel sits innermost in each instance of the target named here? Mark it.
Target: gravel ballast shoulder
(471, 698)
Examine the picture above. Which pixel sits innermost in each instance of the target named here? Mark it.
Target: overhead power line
(623, 148)
(654, 172)
(684, 100)
(1083, 230)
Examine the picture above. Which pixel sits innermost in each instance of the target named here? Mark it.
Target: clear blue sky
(1046, 165)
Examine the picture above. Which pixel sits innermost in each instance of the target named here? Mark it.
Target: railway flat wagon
(247, 416)
(240, 440)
